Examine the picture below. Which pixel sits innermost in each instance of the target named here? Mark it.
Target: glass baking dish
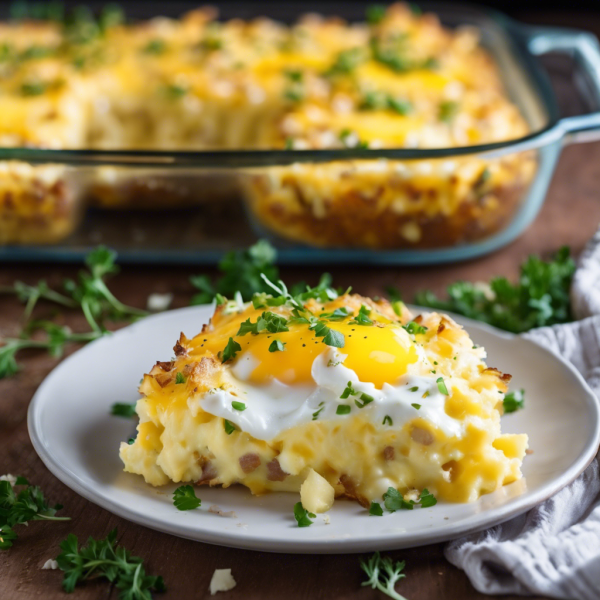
(227, 199)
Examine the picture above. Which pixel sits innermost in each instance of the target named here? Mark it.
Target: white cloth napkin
(554, 549)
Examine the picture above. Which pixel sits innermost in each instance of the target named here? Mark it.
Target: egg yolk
(376, 354)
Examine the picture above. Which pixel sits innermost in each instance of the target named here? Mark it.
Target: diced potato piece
(316, 494)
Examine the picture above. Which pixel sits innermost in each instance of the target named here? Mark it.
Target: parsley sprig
(19, 508)
(514, 401)
(393, 500)
(184, 498)
(383, 574)
(123, 409)
(241, 271)
(103, 558)
(540, 298)
(302, 516)
(89, 293)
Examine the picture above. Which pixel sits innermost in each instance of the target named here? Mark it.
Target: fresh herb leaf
(155, 46)
(184, 498)
(123, 410)
(426, 499)
(414, 328)
(394, 501)
(362, 318)
(387, 419)
(241, 271)
(20, 508)
(346, 62)
(343, 409)
(348, 391)
(277, 346)
(514, 401)
(539, 299)
(442, 386)
(364, 400)
(302, 515)
(316, 414)
(228, 426)
(416, 406)
(383, 575)
(103, 558)
(335, 339)
(448, 110)
(339, 314)
(375, 509)
(180, 378)
(230, 351)
(174, 91)
(238, 405)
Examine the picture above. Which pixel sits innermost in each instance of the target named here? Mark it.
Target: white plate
(74, 434)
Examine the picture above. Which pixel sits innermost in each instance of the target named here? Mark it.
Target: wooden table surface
(570, 216)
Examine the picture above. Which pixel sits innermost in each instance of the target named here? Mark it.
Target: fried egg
(345, 395)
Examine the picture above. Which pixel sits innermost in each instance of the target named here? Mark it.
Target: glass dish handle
(584, 48)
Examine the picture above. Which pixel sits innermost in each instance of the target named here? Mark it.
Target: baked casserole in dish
(373, 134)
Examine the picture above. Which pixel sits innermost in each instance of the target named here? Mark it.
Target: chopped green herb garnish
(184, 498)
(238, 405)
(220, 299)
(180, 378)
(362, 318)
(316, 414)
(229, 427)
(514, 401)
(387, 419)
(230, 351)
(302, 515)
(375, 509)
(294, 75)
(348, 391)
(268, 321)
(426, 499)
(120, 409)
(415, 405)
(174, 91)
(156, 46)
(339, 314)
(448, 111)
(394, 500)
(33, 88)
(333, 338)
(346, 61)
(294, 94)
(442, 386)
(415, 388)
(414, 328)
(364, 400)
(343, 409)
(277, 346)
